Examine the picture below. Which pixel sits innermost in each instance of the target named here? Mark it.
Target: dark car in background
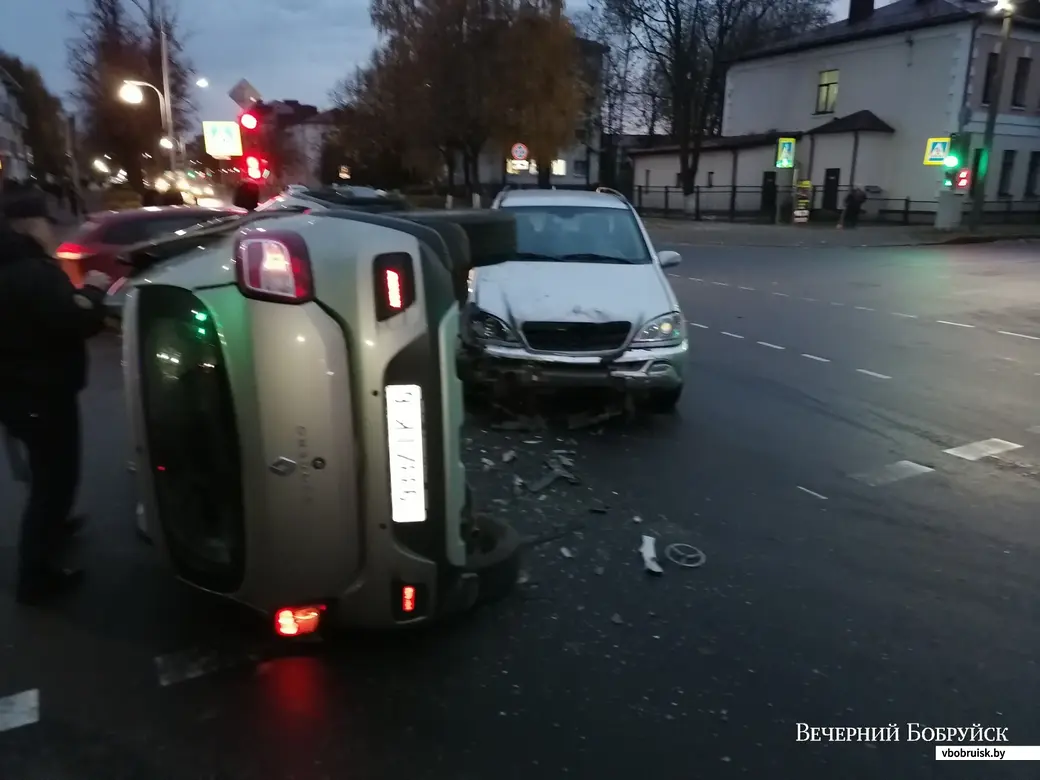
(98, 242)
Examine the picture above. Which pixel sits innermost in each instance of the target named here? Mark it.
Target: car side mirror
(669, 258)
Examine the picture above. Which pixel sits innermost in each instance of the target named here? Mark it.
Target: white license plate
(404, 436)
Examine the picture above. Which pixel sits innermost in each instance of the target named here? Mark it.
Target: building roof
(898, 17)
(858, 122)
(725, 143)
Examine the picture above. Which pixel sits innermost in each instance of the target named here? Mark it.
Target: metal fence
(758, 204)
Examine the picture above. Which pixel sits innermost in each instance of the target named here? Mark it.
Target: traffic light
(957, 153)
(248, 120)
(256, 168)
(963, 181)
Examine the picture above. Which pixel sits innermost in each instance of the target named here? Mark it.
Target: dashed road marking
(19, 709)
(781, 295)
(721, 284)
(817, 358)
(694, 279)
(697, 325)
(731, 335)
(811, 300)
(812, 493)
(771, 346)
(893, 472)
(956, 324)
(874, 374)
(1018, 335)
(1034, 429)
(901, 314)
(837, 303)
(746, 288)
(978, 450)
(865, 308)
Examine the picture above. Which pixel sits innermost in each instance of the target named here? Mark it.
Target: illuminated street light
(202, 82)
(101, 167)
(165, 143)
(131, 93)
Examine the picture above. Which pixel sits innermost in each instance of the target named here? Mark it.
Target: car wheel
(664, 401)
(494, 558)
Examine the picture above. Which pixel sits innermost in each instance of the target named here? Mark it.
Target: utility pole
(165, 54)
(979, 198)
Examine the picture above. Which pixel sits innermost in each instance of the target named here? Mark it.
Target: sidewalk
(681, 232)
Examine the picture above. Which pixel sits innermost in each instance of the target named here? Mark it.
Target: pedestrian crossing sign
(936, 150)
(223, 139)
(785, 152)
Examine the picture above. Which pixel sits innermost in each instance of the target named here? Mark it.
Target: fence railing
(758, 204)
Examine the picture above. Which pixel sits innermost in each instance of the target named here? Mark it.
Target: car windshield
(579, 234)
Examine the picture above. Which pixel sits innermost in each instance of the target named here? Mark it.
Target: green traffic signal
(951, 161)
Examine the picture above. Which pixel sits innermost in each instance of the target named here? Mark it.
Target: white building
(15, 156)
(307, 139)
(863, 96)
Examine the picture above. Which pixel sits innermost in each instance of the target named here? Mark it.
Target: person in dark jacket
(44, 325)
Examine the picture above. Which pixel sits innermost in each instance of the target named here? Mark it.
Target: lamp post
(1007, 9)
(131, 92)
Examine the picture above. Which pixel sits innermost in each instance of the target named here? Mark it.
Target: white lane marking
(20, 709)
(811, 300)
(978, 450)
(745, 288)
(812, 493)
(908, 316)
(893, 472)
(873, 374)
(1034, 429)
(694, 279)
(771, 346)
(957, 324)
(782, 295)
(192, 664)
(731, 335)
(837, 303)
(1019, 335)
(721, 284)
(865, 308)
(697, 325)
(815, 357)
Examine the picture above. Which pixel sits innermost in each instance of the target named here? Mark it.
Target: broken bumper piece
(637, 369)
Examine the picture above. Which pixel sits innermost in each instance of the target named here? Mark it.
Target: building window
(991, 75)
(711, 178)
(1007, 168)
(827, 92)
(678, 180)
(559, 168)
(1032, 175)
(1021, 82)
(581, 168)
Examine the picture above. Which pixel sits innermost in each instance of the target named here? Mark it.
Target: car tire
(495, 560)
(664, 401)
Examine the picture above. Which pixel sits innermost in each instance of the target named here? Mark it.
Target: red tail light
(274, 266)
(71, 251)
(298, 621)
(394, 281)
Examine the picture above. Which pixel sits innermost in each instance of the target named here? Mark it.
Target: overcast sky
(297, 49)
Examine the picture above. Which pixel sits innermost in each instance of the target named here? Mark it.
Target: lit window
(827, 92)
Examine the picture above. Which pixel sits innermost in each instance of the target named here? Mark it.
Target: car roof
(149, 212)
(586, 198)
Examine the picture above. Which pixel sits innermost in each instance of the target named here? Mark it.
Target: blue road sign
(936, 150)
(785, 152)
(223, 139)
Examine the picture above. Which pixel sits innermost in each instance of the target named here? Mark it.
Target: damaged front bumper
(659, 368)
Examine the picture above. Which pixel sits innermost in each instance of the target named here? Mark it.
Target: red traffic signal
(256, 167)
(248, 121)
(963, 180)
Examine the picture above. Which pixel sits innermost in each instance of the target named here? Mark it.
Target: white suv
(584, 303)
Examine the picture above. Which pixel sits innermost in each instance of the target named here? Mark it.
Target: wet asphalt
(841, 586)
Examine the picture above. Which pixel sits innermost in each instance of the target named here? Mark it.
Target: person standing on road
(44, 325)
(853, 207)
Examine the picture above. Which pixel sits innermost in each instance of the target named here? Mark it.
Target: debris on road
(556, 471)
(637, 519)
(617, 619)
(685, 555)
(649, 552)
(583, 420)
(566, 553)
(509, 456)
(599, 508)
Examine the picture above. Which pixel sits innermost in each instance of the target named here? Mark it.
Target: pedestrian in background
(853, 207)
(44, 325)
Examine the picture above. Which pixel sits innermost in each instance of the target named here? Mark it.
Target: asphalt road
(861, 569)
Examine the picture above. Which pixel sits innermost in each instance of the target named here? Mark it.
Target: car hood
(522, 291)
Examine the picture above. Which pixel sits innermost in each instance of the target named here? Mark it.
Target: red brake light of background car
(274, 266)
(393, 283)
(298, 621)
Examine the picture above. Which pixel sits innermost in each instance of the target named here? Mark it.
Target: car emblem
(283, 467)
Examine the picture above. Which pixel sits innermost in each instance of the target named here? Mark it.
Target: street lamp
(165, 143)
(1006, 9)
(202, 83)
(132, 92)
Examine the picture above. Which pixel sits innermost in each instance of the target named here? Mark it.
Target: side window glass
(124, 233)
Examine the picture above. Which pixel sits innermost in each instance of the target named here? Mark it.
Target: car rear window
(133, 231)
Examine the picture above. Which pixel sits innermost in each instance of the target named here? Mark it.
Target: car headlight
(660, 331)
(490, 329)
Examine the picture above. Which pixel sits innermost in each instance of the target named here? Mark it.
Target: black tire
(664, 401)
(496, 559)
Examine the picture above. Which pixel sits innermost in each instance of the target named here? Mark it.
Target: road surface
(854, 455)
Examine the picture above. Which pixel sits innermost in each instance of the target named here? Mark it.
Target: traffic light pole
(979, 199)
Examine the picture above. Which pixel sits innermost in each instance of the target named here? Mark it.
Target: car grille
(576, 336)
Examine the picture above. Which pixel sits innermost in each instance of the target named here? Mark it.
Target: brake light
(394, 284)
(408, 598)
(298, 621)
(71, 251)
(274, 266)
